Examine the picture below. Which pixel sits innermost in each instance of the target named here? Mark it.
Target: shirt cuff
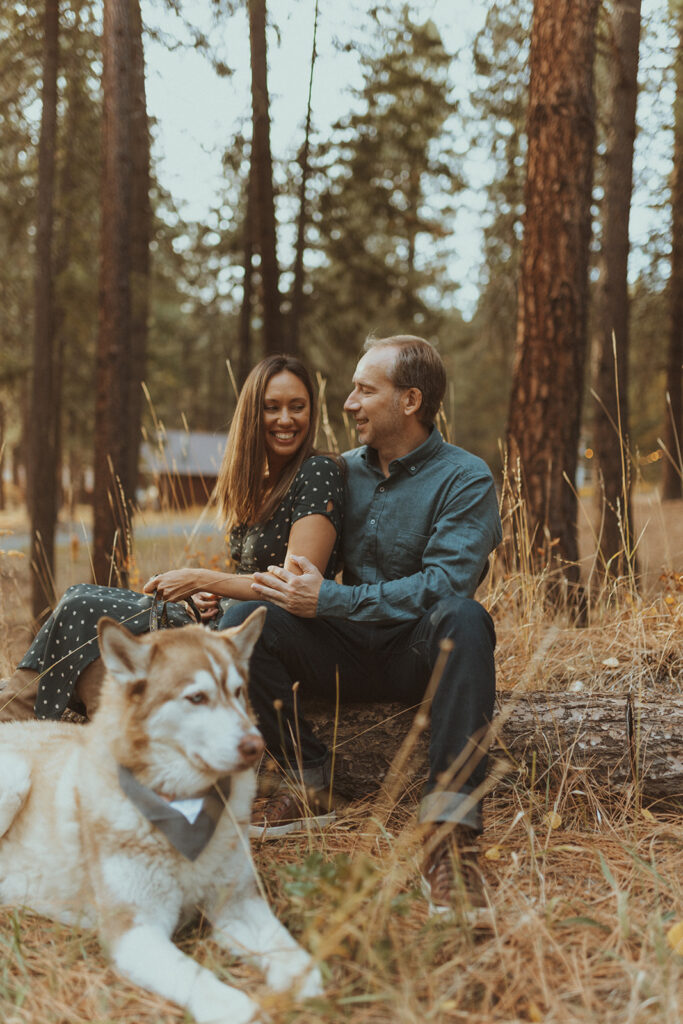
(333, 600)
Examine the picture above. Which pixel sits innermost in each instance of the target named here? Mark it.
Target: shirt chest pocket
(405, 554)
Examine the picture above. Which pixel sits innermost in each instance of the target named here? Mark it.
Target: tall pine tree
(545, 405)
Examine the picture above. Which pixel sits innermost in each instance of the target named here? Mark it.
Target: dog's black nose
(251, 746)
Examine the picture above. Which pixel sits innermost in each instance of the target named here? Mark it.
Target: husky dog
(134, 823)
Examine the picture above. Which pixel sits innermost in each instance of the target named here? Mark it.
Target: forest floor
(587, 883)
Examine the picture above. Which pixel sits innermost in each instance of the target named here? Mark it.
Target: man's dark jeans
(379, 662)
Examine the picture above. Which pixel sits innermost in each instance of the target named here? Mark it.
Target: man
(421, 519)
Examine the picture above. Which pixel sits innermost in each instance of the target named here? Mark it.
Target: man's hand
(296, 594)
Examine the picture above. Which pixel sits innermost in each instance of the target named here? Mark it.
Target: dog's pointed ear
(125, 657)
(245, 636)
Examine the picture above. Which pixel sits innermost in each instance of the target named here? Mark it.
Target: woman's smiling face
(286, 416)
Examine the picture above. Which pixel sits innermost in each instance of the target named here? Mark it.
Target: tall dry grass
(586, 888)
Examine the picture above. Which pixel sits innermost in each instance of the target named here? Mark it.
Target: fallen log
(618, 740)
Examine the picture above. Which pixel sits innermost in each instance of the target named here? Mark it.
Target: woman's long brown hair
(239, 488)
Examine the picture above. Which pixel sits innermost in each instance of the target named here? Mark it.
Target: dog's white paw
(297, 972)
(229, 1006)
(309, 984)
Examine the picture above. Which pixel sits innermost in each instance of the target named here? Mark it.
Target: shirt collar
(413, 461)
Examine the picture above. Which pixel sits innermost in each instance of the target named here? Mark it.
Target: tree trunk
(245, 358)
(110, 547)
(298, 285)
(70, 202)
(545, 404)
(264, 212)
(615, 740)
(2, 456)
(672, 472)
(140, 228)
(611, 414)
(43, 431)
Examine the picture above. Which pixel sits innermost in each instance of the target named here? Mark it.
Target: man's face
(375, 403)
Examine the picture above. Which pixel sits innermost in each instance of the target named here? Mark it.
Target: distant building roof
(183, 453)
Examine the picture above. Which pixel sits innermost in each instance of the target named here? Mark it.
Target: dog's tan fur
(74, 847)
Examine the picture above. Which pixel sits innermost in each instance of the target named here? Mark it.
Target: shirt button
(381, 488)
(412, 469)
(372, 522)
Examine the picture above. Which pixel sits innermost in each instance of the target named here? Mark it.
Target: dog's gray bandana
(189, 828)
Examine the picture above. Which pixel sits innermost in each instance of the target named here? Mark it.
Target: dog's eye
(197, 698)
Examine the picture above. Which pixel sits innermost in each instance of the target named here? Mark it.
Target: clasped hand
(297, 594)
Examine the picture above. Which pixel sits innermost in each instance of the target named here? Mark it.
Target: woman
(276, 497)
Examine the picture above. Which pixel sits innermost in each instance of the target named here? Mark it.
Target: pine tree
(110, 533)
(264, 203)
(673, 425)
(384, 211)
(545, 405)
(611, 433)
(44, 402)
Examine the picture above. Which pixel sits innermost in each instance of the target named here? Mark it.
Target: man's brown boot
(452, 880)
(286, 811)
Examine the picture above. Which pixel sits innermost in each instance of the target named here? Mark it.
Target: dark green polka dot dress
(67, 642)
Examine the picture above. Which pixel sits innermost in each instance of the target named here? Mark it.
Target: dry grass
(581, 914)
(635, 647)
(583, 899)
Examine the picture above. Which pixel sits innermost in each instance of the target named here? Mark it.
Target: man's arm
(452, 564)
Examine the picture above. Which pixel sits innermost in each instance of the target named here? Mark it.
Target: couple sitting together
(413, 521)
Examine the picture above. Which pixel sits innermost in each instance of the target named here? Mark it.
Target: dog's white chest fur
(73, 846)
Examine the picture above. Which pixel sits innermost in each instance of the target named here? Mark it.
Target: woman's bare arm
(313, 536)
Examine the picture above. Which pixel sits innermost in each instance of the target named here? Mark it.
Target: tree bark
(614, 740)
(264, 206)
(43, 431)
(75, 71)
(672, 471)
(140, 230)
(298, 284)
(611, 378)
(244, 357)
(2, 456)
(110, 542)
(545, 404)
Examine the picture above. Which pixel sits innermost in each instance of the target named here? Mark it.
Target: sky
(196, 112)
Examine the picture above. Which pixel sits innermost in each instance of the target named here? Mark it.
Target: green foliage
(304, 880)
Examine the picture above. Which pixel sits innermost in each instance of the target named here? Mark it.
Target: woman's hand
(174, 585)
(206, 604)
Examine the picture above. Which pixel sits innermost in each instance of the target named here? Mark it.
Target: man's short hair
(417, 365)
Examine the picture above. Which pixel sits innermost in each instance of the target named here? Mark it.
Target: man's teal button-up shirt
(414, 537)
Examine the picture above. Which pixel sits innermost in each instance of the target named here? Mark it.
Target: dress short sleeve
(318, 489)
